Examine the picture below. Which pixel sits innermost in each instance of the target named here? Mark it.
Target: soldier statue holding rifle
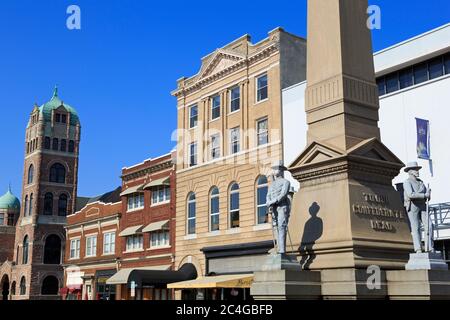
(279, 204)
(417, 196)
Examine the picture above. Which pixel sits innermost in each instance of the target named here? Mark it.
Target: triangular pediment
(220, 61)
(374, 149)
(316, 152)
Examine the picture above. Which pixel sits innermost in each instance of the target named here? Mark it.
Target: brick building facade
(49, 191)
(92, 249)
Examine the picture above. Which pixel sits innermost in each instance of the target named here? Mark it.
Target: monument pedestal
(283, 279)
(418, 284)
(352, 284)
(426, 261)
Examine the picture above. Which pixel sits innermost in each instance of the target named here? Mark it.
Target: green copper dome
(55, 103)
(9, 201)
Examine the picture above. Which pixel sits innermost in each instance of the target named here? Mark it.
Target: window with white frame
(160, 238)
(215, 146)
(235, 134)
(160, 194)
(215, 107)
(261, 88)
(109, 243)
(91, 246)
(235, 99)
(135, 201)
(193, 116)
(75, 249)
(193, 154)
(191, 208)
(262, 128)
(135, 242)
(234, 206)
(2, 219)
(214, 212)
(262, 187)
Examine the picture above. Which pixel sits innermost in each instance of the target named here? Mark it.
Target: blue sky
(119, 69)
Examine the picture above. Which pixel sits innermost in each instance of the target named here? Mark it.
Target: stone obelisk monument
(347, 215)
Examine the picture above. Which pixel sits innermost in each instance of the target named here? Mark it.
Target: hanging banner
(423, 139)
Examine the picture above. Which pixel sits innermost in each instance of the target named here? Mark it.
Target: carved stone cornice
(193, 84)
(150, 170)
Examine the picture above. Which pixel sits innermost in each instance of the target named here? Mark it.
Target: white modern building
(414, 82)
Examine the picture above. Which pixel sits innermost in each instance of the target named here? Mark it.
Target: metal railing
(440, 219)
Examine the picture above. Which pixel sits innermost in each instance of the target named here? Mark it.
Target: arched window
(28, 147)
(48, 204)
(191, 208)
(30, 206)
(25, 250)
(63, 145)
(52, 250)
(23, 286)
(17, 255)
(47, 141)
(71, 146)
(25, 207)
(261, 198)
(214, 209)
(50, 286)
(62, 205)
(30, 174)
(234, 205)
(58, 173)
(13, 288)
(55, 144)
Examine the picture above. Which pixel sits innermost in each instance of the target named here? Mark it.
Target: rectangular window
(91, 246)
(135, 201)
(420, 73)
(436, 68)
(64, 118)
(215, 146)
(381, 86)
(263, 131)
(10, 220)
(57, 117)
(75, 249)
(392, 83)
(160, 238)
(447, 63)
(109, 243)
(235, 136)
(406, 78)
(135, 242)
(193, 154)
(261, 88)
(2, 219)
(215, 107)
(235, 99)
(193, 116)
(160, 194)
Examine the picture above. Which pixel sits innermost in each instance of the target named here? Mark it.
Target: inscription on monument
(375, 208)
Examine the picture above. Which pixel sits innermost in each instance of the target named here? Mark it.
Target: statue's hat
(412, 165)
(279, 165)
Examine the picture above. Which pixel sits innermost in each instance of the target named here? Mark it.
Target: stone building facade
(229, 134)
(49, 191)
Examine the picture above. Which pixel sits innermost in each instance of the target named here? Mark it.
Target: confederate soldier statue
(416, 198)
(279, 204)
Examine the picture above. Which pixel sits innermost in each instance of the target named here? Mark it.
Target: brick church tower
(48, 195)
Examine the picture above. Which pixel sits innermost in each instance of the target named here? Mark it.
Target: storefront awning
(158, 182)
(224, 281)
(160, 225)
(132, 190)
(131, 231)
(122, 276)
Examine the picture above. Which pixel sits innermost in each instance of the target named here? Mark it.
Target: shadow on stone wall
(311, 233)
